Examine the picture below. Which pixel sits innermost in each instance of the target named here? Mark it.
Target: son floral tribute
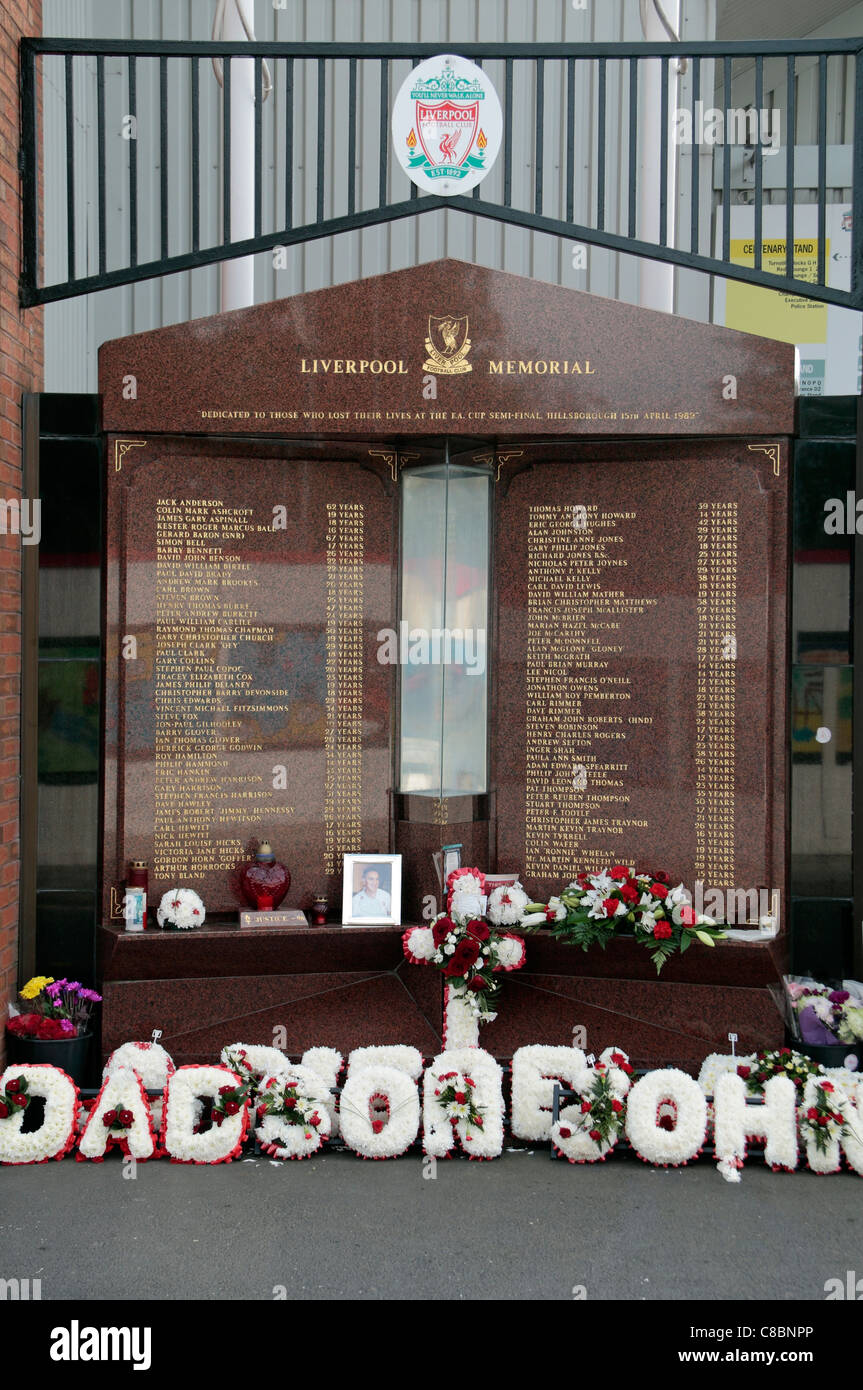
(596, 907)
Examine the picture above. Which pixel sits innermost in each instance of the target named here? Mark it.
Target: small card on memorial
(290, 917)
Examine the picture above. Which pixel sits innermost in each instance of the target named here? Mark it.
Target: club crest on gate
(447, 125)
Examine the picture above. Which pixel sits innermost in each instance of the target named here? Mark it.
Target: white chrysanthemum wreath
(180, 910)
(444, 1125)
(56, 1134)
(121, 1117)
(379, 1110)
(292, 1119)
(587, 1131)
(666, 1118)
(774, 1121)
(182, 1135)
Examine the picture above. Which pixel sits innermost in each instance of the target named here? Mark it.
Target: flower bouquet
(51, 1023)
(52, 1010)
(596, 907)
(180, 910)
(758, 1070)
(823, 1017)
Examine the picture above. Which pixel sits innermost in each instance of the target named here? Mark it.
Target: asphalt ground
(336, 1227)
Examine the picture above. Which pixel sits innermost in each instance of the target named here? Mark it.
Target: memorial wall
(638, 467)
(640, 661)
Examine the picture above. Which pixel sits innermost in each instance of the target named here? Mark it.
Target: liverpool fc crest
(447, 345)
(447, 124)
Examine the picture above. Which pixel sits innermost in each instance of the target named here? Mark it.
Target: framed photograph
(372, 890)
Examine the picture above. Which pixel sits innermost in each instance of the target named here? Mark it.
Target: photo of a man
(372, 900)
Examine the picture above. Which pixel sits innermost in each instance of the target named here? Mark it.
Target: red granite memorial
(275, 478)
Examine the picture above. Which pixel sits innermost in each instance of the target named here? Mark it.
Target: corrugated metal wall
(76, 328)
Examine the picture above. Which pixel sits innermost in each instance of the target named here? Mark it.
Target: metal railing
(573, 178)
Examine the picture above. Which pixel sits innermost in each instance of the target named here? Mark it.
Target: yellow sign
(773, 313)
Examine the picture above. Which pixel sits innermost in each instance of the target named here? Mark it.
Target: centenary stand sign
(205, 1112)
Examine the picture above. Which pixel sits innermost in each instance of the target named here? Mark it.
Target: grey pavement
(335, 1227)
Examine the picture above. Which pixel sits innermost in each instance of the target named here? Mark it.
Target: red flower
(617, 1106)
(446, 1075)
(688, 915)
(460, 1097)
(619, 871)
(595, 1135)
(315, 1120)
(109, 1118)
(585, 1107)
(225, 1090)
(659, 890)
(15, 1085)
(627, 1068)
(812, 1113)
(477, 1122)
(231, 1107)
(661, 877)
(825, 1086)
(565, 1132)
(20, 1100)
(476, 984)
(377, 1126)
(662, 931)
(822, 1119)
(290, 1102)
(4, 1110)
(441, 929)
(610, 905)
(463, 957)
(743, 1071)
(218, 1118)
(478, 930)
(126, 1118)
(628, 893)
(618, 1059)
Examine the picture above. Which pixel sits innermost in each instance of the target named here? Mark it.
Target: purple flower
(67, 1025)
(838, 996)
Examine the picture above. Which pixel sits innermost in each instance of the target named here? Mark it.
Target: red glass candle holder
(265, 881)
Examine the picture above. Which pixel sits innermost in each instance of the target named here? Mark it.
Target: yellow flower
(36, 986)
